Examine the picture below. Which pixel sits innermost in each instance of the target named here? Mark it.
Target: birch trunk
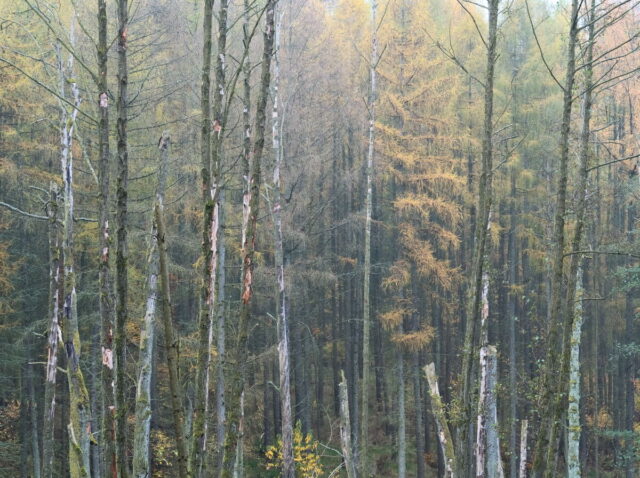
(573, 413)
(104, 275)
(345, 429)
(444, 434)
(239, 353)
(488, 461)
(288, 464)
(171, 345)
(121, 244)
(366, 330)
(142, 430)
(54, 336)
(79, 407)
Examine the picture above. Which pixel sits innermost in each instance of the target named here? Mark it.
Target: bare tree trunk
(366, 330)
(106, 298)
(345, 429)
(121, 245)
(79, 407)
(474, 293)
(142, 430)
(236, 374)
(524, 427)
(444, 434)
(573, 433)
(171, 344)
(288, 464)
(54, 336)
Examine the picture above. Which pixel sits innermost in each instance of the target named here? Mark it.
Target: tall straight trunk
(171, 345)
(33, 418)
(212, 210)
(142, 430)
(79, 407)
(573, 433)
(444, 433)
(366, 318)
(122, 184)
(551, 399)
(288, 464)
(54, 336)
(485, 191)
(208, 273)
(345, 430)
(512, 319)
(104, 274)
(239, 353)
(402, 420)
(220, 336)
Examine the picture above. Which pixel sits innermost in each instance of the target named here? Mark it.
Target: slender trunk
(236, 374)
(54, 336)
(345, 430)
(288, 464)
(33, 418)
(550, 421)
(221, 337)
(524, 427)
(171, 345)
(573, 433)
(419, 429)
(444, 434)
(402, 438)
(480, 244)
(79, 407)
(512, 320)
(106, 298)
(366, 330)
(142, 431)
(121, 244)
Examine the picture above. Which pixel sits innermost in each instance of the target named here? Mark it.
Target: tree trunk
(171, 344)
(366, 330)
(474, 293)
(444, 434)
(288, 464)
(345, 430)
(524, 427)
(573, 433)
(106, 298)
(121, 244)
(79, 407)
(550, 421)
(402, 438)
(54, 336)
(236, 375)
(142, 431)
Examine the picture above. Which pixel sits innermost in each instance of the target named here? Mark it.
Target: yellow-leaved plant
(305, 454)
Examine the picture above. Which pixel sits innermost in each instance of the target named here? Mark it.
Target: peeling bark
(444, 434)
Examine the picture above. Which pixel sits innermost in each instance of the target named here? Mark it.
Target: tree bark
(122, 185)
(573, 413)
(104, 275)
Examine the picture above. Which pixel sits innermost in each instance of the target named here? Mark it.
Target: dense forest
(319, 238)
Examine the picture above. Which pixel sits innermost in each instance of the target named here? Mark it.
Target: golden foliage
(414, 341)
(305, 454)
